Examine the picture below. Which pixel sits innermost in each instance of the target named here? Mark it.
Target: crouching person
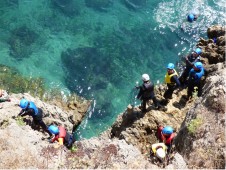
(30, 109)
(166, 135)
(61, 135)
(159, 150)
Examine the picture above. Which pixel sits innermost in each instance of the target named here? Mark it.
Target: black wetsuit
(37, 118)
(146, 93)
(189, 64)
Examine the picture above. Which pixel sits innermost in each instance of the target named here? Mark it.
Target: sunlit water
(124, 43)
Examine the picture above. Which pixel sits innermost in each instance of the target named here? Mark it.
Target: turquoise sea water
(100, 48)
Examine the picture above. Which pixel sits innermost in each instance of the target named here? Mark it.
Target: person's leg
(44, 127)
(183, 78)
(166, 94)
(199, 89)
(190, 90)
(155, 101)
(144, 101)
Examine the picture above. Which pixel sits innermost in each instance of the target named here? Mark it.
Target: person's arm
(140, 92)
(188, 62)
(54, 139)
(25, 112)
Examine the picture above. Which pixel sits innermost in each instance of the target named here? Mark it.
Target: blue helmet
(198, 65)
(168, 130)
(170, 66)
(198, 51)
(53, 129)
(24, 103)
(190, 17)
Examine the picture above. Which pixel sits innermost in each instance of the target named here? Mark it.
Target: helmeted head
(167, 130)
(170, 66)
(145, 77)
(160, 153)
(24, 103)
(198, 65)
(53, 129)
(191, 17)
(198, 51)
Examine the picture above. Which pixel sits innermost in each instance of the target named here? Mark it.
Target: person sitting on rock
(166, 135)
(159, 150)
(195, 75)
(171, 79)
(190, 60)
(61, 135)
(147, 92)
(29, 108)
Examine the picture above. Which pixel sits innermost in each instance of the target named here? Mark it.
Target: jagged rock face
(23, 147)
(214, 52)
(207, 113)
(215, 31)
(201, 139)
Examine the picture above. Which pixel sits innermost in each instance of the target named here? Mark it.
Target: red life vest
(62, 132)
(168, 140)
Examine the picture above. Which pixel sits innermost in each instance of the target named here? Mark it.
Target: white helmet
(160, 153)
(145, 77)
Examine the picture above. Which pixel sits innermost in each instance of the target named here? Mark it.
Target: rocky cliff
(199, 124)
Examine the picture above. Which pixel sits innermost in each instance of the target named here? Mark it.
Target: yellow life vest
(157, 145)
(168, 77)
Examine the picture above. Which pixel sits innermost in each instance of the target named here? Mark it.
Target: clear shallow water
(100, 53)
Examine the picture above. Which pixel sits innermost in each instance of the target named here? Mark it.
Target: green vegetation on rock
(194, 125)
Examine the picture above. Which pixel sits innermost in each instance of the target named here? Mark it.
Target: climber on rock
(159, 150)
(147, 92)
(171, 79)
(29, 108)
(166, 135)
(62, 136)
(189, 60)
(194, 80)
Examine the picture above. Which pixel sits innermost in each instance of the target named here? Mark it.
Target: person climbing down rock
(195, 76)
(166, 135)
(171, 79)
(146, 92)
(189, 60)
(61, 135)
(30, 109)
(159, 150)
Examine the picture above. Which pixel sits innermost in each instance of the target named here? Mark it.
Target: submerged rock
(20, 42)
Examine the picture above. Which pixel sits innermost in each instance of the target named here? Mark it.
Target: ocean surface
(100, 48)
